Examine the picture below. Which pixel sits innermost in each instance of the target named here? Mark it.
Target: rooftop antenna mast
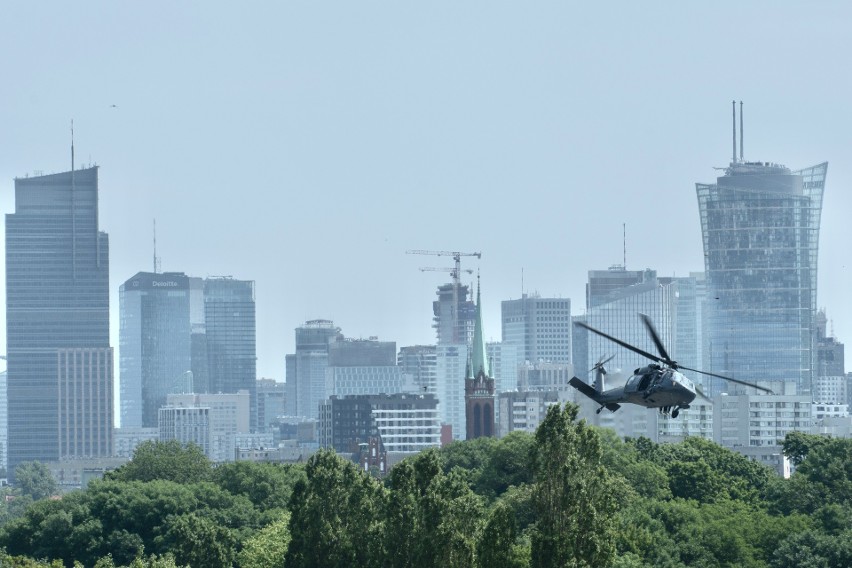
(741, 132)
(73, 212)
(156, 258)
(734, 118)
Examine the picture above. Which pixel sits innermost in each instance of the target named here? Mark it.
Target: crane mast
(456, 275)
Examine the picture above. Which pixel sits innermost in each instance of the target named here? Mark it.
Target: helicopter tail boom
(592, 394)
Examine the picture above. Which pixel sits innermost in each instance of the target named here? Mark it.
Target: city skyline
(279, 124)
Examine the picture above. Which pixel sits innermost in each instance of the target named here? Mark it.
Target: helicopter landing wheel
(675, 412)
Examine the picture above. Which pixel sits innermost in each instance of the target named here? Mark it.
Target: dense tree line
(570, 495)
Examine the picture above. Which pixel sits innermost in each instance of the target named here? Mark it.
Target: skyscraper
(60, 368)
(155, 357)
(760, 225)
(306, 369)
(542, 326)
(229, 318)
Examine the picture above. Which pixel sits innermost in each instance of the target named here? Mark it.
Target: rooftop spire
(479, 361)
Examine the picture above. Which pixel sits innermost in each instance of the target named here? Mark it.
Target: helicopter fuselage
(652, 386)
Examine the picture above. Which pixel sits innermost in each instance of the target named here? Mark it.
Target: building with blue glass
(60, 368)
(760, 226)
(231, 329)
(155, 350)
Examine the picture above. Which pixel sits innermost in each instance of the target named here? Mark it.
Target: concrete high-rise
(229, 318)
(155, 355)
(760, 225)
(60, 367)
(542, 326)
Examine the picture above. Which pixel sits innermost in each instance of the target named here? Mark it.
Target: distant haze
(306, 147)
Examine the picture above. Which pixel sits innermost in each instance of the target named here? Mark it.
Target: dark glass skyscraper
(155, 345)
(60, 368)
(229, 316)
(760, 224)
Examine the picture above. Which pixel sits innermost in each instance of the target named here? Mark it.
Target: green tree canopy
(170, 461)
(35, 480)
(575, 496)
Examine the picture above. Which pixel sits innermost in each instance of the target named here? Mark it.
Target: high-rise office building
(270, 404)
(760, 225)
(420, 361)
(542, 326)
(229, 318)
(155, 357)
(306, 369)
(60, 369)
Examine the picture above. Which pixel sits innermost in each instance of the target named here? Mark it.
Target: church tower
(478, 384)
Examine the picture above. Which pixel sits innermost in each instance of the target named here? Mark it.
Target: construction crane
(452, 271)
(455, 273)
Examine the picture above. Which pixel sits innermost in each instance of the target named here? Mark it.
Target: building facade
(155, 354)
(228, 416)
(230, 326)
(541, 326)
(57, 305)
(760, 226)
(306, 369)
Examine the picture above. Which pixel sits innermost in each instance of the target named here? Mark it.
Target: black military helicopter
(657, 385)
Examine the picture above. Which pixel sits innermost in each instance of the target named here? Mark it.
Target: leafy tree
(335, 520)
(575, 495)
(170, 461)
(268, 547)
(35, 480)
(814, 550)
(198, 541)
(797, 445)
(497, 548)
(268, 486)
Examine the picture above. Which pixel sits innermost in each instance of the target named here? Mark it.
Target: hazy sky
(307, 145)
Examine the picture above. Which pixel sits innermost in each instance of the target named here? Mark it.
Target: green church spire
(479, 360)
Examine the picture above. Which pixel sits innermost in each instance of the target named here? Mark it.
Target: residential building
(525, 410)
(743, 420)
(420, 362)
(228, 416)
(59, 372)
(404, 423)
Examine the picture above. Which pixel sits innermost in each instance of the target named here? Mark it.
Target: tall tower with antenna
(760, 226)
(60, 368)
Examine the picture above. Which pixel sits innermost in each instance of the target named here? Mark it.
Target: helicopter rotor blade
(620, 342)
(649, 325)
(701, 394)
(601, 362)
(724, 378)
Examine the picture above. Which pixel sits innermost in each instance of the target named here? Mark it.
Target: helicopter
(656, 385)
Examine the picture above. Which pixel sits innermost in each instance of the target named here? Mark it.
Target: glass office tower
(155, 356)
(229, 317)
(60, 371)
(760, 226)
